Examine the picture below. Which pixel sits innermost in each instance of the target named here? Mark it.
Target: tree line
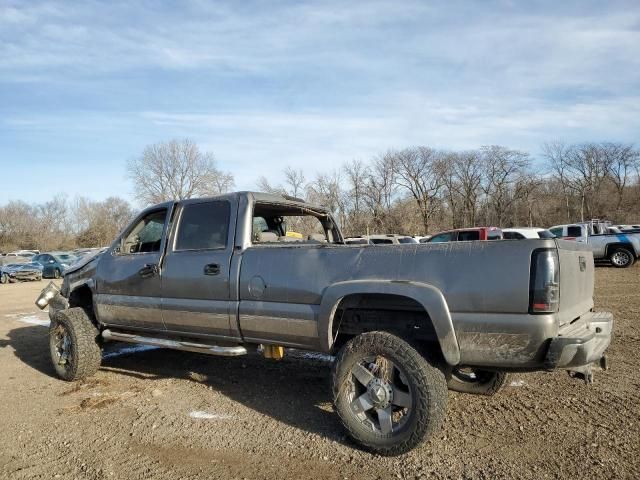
(414, 190)
(421, 190)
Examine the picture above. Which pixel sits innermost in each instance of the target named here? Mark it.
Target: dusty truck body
(226, 275)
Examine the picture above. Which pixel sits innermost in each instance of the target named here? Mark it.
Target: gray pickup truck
(254, 272)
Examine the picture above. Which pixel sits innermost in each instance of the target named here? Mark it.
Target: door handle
(148, 270)
(212, 269)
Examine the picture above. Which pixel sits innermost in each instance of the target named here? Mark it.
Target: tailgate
(576, 280)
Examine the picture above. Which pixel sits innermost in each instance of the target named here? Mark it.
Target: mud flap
(585, 372)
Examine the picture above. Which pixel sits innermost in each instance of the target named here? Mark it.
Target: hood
(84, 261)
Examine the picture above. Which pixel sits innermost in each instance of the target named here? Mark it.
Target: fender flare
(622, 243)
(426, 295)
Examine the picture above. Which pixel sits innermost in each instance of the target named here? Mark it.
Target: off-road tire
(427, 386)
(84, 355)
(621, 252)
(486, 382)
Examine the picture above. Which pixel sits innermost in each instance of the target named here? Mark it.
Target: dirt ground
(152, 413)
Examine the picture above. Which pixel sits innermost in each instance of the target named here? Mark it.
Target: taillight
(544, 286)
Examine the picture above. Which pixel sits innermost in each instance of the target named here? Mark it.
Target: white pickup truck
(621, 249)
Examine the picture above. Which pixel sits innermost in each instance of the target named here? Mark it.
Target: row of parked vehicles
(32, 265)
(617, 244)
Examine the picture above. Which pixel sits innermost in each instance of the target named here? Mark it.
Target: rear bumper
(580, 343)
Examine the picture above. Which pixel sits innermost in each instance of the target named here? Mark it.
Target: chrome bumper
(581, 344)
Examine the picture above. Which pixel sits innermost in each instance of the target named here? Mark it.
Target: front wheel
(476, 381)
(621, 258)
(4, 278)
(388, 396)
(56, 273)
(73, 343)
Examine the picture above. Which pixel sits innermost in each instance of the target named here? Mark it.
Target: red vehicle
(467, 234)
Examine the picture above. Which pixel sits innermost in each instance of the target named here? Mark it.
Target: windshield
(546, 234)
(407, 240)
(65, 258)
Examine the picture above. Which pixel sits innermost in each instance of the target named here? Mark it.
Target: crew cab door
(128, 275)
(195, 270)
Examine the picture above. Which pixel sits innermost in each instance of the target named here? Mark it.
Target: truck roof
(261, 197)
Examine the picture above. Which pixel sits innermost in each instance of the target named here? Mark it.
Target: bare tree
(380, 189)
(295, 181)
(621, 161)
(176, 170)
(100, 222)
(504, 180)
(420, 171)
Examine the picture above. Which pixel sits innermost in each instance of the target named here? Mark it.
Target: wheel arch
(81, 295)
(610, 248)
(427, 296)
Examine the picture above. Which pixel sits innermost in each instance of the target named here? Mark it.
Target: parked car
(620, 249)
(54, 263)
(21, 253)
(520, 233)
(404, 323)
(467, 234)
(389, 239)
(15, 272)
(356, 241)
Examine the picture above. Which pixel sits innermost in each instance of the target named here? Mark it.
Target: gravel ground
(152, 413)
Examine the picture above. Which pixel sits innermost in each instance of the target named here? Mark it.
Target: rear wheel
(73, 343)
(388, 396)
(621, 257)
(476, 381)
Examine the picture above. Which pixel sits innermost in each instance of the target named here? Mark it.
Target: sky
(85, 86)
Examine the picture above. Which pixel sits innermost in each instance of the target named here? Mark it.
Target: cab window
(574, 231)
(203, 226)
(468, 236)
(443, 237)
(512, 236)
(557, 231)
(146, 235)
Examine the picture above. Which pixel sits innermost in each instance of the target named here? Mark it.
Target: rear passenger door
(195, 273)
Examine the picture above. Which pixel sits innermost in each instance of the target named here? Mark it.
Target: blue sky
(84, 86)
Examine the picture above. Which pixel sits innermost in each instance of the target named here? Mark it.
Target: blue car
(54, 263)
(15, 272)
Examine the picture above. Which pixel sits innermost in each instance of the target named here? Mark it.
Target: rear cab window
(282, 224)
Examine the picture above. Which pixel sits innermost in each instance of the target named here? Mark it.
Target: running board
(234, 351)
